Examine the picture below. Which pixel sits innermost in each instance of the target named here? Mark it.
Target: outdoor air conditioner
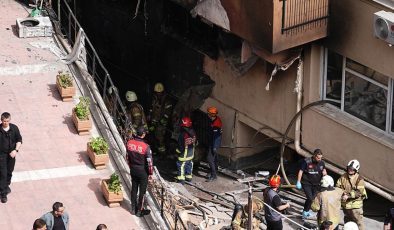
(383, 23)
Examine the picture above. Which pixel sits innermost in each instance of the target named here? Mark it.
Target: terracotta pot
(67, 93)
(83, 126)
(112, 198)
(98, 161)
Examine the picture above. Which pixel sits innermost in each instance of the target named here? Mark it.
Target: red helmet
(275, 181)
(212, 110)
(186, 122)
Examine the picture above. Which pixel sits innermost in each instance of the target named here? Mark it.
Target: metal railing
(110, 94)
(301, 15)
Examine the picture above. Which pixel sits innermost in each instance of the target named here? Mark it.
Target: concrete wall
(246, 96)
(340, 136)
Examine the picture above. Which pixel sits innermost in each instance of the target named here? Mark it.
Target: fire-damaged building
(306, 73)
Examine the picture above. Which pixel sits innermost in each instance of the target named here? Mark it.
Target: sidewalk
(52, 164)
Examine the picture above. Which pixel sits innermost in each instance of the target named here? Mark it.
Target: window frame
(389, 88)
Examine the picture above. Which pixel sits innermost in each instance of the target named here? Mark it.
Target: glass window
(365, 100)
(368, 72)
(362, 92)
(334, 76)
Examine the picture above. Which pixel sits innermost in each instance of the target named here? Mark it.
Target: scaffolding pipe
(297, 142)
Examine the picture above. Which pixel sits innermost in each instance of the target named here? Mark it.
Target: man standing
(389, 220)
(39, 224)
(139, 158)
(214, 142)
(58, 219)
(159, 116)
(354, 194)
(135, 111)
(309, 177)
(10, 142)
(185, 150)
(328, 203)
(271, 198)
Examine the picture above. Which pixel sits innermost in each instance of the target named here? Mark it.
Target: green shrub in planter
(99, 145)
(114, 184)
(82, 108)
(65, 79)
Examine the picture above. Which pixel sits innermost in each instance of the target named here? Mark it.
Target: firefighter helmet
(186, 122)
(355, 164)
(327, 181)
(212, 110)
(131, 96)
(112, 89)
(350, 226)
(274, 181)
(159, 87)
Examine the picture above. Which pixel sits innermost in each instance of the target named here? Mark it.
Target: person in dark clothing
(139, 158)
(57, 219)
(309, 176)
(389, 220)
(10, 143)
(272, 199)
(185, 150)
(215, 139)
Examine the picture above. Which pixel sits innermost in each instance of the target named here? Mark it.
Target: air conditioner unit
(383, 23)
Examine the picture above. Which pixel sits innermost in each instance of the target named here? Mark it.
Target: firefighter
(139, 158)
(186, 147)
(309, 176)
(328, 203)
(135, 112)
(240, 215)
(159, 116)
(389, 220)
(354, 193)
(214, 142)
(271, 198)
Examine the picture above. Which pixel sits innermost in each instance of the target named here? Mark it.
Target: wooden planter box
(83, 126)
(113, 199)
(68, 93)
(98, 161)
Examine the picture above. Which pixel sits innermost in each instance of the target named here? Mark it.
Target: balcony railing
(301, 15)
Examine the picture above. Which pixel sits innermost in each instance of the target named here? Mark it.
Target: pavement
(52, 164)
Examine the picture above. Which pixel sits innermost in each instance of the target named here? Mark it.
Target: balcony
(275, 25)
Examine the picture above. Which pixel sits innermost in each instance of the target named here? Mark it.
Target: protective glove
(298, 185)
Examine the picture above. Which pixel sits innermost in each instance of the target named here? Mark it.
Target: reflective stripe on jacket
(186, 144)
(354, 187)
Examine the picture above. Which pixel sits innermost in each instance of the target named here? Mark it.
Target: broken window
(358, 90)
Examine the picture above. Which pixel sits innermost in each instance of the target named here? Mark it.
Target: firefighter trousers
(185, 170)
(356, 215)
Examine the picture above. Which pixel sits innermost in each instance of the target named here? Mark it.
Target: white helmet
(131, 96)
(327, 181)
(350, 226)
(354, 164)
(112, 89)
(159, 87)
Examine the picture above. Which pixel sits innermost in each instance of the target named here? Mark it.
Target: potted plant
(81, 116)
(112, 190)
(97, 149)
(65, 85)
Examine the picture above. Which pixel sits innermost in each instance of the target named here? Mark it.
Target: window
(359, 90)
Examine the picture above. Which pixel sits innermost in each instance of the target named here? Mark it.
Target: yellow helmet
(159, 87)
(131, 96)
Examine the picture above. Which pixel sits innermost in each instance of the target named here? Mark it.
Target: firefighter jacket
(328, 205)
(354, 187)
(139, 156)
(137, 116)
(240, 220)
(161, 110)
(215, 134)
(186, 144)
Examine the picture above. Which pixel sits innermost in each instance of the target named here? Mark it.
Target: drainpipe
(297, 143)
